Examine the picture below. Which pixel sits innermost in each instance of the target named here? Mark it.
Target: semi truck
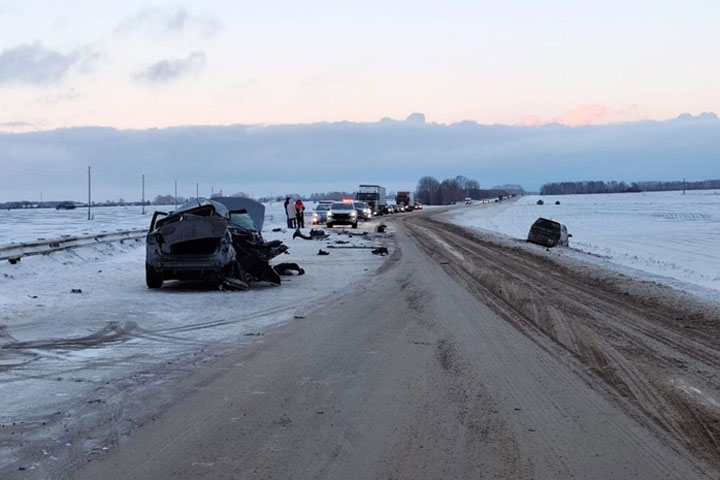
(407, 199)
(373, 195)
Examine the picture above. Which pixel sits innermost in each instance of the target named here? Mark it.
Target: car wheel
(354, 225)
(329, 225)
(153, 278)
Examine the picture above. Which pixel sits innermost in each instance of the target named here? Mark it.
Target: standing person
(290, 212)
(300, 213)
(287, 215)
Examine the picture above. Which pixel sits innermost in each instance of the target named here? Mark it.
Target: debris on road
(323, 252)
(315, 234)
(286, 268)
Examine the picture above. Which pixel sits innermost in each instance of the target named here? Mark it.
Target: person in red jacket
(300, 213)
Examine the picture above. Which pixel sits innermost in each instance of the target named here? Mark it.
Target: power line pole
(197, 190)
(175, 194)
(89, 191)
(143, 194)
(683, 186)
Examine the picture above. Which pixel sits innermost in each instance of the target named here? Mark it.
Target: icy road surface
(663, 236)
(75, 358)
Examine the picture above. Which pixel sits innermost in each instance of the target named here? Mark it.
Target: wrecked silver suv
(216, 240)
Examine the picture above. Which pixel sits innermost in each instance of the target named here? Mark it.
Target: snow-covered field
(664, 236)
(26, 225)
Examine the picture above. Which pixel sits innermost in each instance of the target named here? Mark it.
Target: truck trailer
(373, 195)
(407, 199)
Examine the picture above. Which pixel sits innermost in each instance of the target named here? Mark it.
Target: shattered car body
(548, 233)
(216, 240)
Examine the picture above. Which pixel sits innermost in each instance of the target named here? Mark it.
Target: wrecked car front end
(191, 243)
(215, 240)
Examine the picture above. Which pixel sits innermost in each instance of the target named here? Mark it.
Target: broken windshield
(242, 219)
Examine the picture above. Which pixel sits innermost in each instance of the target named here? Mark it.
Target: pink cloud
(589, 114)
(530, 121)
(582, 115)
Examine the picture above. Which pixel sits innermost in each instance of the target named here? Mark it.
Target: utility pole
(197, 190)
(143, 194)
(89, 191)
(175, 194)
(683, 186)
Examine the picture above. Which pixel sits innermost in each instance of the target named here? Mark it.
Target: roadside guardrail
(13, 252)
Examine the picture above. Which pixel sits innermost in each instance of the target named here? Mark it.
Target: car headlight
(353, 213)
(329, 214)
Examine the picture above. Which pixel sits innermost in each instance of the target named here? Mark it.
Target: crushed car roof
(220, 209)
(255, 209)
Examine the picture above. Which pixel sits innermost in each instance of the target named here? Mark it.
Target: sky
(286, 96)
(156, 64)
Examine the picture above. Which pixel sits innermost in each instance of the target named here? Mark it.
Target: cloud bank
(339, 156)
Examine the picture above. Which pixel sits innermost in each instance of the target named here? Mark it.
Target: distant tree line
(575, 188)
(430, 191)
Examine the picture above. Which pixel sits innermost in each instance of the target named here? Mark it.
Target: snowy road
(92, 359)
(461, 355)
(410, 378)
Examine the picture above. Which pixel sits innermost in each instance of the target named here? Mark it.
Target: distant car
(418, 206)
(320, 214)
(342, 213)
(363, 210)
(548, 233)
(468, 201)
(540, 202)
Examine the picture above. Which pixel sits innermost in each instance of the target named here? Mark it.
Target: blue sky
(140, 64)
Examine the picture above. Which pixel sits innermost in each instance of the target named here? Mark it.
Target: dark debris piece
(323, 252)
(286, 268)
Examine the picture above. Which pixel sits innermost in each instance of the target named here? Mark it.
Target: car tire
(153, 278)
(329, 225)
(354, 225)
